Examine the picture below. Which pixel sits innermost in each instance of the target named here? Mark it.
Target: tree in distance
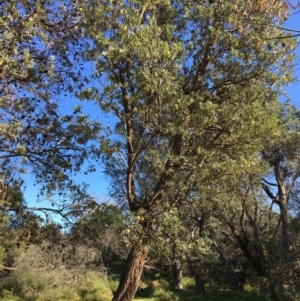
(39, 42)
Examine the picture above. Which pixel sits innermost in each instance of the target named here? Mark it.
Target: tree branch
(269, 183)
(270, 194)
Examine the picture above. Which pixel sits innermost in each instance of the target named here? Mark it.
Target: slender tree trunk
(293, 268)
(273, 294)
(286, 229)
(196, 271)
(284, 214)
(200, 284)
(132, 274)
(177, 274)
(289, 252)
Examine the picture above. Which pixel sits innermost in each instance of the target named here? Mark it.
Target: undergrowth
(41, 286)
(33, 286)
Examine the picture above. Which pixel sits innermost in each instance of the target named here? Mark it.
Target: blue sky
(294, 89)
(98, 184)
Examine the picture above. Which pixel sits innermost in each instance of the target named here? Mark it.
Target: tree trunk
(286, 229)
(273, 294)
(132, 274)
(235, 280)
(200, 284)
(177, 274)
(196, 271)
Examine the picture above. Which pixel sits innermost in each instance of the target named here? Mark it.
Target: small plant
(25, 284)
(8, 296)
(167, 296)
(96, 287)
(113, 284)
(188, 283)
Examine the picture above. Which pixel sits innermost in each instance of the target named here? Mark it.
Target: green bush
(113, 284)
(24, 284)
(8, 296)
(188, 283)
(41, 286)
(167, 296)
(96, 287)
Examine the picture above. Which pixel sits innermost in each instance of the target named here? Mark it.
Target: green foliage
(39, 286)
(95, 288)
(192, 95)
(214, 293)
(36, 43)
(188, 283)
(103, 229)
(168, 296)
(18, 225)
(9, 296)
(113, 283)
(26, 285)
(192, 89)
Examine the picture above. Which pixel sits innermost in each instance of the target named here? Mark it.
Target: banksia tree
(191, 87)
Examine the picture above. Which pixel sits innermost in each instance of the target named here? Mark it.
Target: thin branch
(229, 237)
(269, 183)
(270, 194)
(7, 268)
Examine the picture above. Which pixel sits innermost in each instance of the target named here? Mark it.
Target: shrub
(188, 283)
(166, 296)
(35, 285)
(8, 296)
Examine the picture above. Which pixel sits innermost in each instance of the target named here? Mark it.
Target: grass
(214, 293)
(40, 286)
(33, 286)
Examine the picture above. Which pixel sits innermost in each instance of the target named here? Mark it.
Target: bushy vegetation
(41, 286)
(35, 285)
(195, 134)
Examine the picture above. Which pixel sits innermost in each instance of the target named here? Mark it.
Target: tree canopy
(36, 68)
(194, 88)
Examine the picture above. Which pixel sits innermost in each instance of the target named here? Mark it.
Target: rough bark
(177, 274)
(132, 273)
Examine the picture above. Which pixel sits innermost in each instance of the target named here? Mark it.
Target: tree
(38, 45)
(18, 226)
(188, 84)
(102, 228)
(255, 222)
(282, 182)
(249, 224)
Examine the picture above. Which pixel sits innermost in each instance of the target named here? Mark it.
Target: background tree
(38, 44)
(103, 228)
(18, 226)
(281, 184)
